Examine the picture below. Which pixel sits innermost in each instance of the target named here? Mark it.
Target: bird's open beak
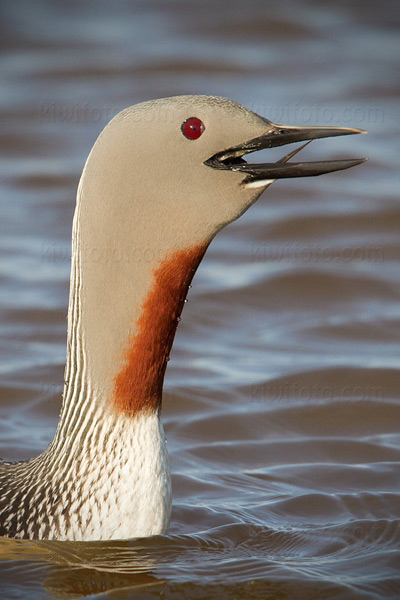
(279, 135)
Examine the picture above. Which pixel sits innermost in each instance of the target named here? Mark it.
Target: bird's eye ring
(192, 128)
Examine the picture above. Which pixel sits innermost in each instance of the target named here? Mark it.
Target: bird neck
(123, 314)
(138, 383)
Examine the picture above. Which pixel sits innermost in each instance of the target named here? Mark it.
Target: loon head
(186, 160)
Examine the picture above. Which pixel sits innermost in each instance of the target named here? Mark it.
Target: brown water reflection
(282, 401)
(143, 567)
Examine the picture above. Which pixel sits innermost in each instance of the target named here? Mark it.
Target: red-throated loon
(161, 180)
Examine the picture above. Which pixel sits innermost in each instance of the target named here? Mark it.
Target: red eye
(192, 128)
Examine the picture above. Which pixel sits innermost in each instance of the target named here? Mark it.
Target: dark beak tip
(352, 130)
